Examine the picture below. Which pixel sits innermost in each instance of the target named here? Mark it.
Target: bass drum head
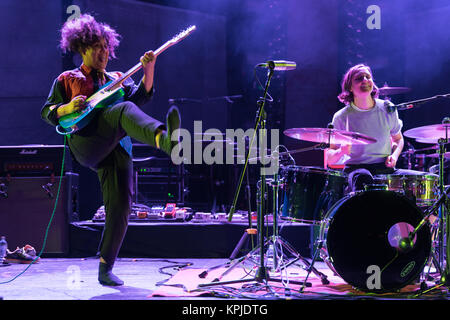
(361, 231)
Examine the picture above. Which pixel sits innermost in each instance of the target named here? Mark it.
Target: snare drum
(423, 189)
(360, 238)
(310, 191)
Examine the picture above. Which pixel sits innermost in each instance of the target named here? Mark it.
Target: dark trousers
(97, 146)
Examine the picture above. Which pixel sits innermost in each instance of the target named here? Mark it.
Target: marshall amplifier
(27, 204)
(34, 160)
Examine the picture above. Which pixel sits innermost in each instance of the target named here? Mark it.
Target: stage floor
(57, 279)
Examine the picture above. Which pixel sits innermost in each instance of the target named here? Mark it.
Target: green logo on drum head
(407, 269)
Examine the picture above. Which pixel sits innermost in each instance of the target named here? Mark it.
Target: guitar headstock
(183, 34)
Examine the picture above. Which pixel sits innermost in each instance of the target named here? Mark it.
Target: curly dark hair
(83, 32)
(346, 96)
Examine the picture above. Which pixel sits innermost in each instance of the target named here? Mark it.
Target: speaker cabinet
(27, 204)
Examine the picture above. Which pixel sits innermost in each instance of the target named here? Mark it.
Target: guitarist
(104, 145)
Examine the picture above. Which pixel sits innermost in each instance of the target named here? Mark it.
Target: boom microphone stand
(261, 275)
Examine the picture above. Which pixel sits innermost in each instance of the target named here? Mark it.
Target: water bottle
(3, 247)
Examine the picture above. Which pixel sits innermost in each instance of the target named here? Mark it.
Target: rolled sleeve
(137, 93)
(397, 124)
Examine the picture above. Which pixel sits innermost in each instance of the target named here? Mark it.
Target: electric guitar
(108, 94)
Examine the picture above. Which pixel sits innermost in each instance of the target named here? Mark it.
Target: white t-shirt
(378, 123)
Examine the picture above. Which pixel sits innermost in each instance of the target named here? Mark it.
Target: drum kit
(379, 239)
(396, 225)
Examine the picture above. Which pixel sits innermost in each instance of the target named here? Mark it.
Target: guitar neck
(137, 67)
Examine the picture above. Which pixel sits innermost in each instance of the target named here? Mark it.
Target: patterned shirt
(80, 81)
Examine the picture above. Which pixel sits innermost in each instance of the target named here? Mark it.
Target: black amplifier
(157, 179)
(34, 160)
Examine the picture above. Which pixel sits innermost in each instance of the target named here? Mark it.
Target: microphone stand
(261, 274)
(411, 104)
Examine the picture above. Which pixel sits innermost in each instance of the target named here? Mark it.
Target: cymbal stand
(442, 206)
(310, 265)
(278, 243)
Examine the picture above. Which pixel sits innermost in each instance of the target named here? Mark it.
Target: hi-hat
(429, 133)
(326, 135)
(387, 91)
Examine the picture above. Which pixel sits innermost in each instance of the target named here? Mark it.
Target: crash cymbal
(326, 135)
(425, 140)
(387, 91)
(429, 133)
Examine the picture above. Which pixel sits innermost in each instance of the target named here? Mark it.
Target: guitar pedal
(170, 211)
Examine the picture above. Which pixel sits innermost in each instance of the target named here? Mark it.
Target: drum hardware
(277, 242)
(376, 186)
(440, 133)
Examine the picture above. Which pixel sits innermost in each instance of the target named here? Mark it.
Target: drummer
(365, 113)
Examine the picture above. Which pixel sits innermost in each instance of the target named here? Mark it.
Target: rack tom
(423, 189)
(309, 192)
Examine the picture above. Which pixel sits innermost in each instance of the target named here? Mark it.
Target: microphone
(183, 100)
(47, 190)
(278, 65)
(405, 244)
(390, 107)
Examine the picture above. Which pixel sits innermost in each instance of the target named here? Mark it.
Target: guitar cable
(50, 222)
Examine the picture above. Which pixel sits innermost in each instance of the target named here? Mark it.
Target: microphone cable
(269, 97)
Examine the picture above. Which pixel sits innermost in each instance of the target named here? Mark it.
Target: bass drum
(360, 238)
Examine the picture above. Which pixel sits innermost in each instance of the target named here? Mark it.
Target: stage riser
(181, 240)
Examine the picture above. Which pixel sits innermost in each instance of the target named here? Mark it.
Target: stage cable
(49, 223)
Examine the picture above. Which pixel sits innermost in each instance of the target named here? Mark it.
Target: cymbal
(427, 140)
(332, 136)
(429, 133)
(387, 91)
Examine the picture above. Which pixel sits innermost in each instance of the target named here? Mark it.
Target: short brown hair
(346, 96)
